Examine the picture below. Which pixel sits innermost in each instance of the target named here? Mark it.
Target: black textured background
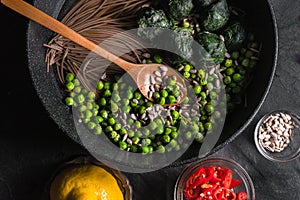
(32, 145)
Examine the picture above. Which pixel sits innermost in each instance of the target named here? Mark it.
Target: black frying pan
(51, 94)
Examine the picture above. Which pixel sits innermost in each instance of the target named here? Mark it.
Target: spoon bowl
(138, 72)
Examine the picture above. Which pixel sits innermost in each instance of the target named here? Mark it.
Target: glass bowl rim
(190, 167)
(264, 152)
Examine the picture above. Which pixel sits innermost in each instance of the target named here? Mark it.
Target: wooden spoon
(139, 72)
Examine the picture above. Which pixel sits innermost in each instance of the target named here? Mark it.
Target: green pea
(187, 68)
(175, 114)
(99, 119)
(161, 149)
(203, 82)
(228, 63)
(227, 80)
(186, 100)
(209, 108)
(125, 102)
(160, 130)
(201, 73)
(142, 109)
(89, 105)
(123, 131)
(203, 102)
(186, 74)
(100, 85)
(88, 114)
(123, 145)
(199, 137)
(174, 134)
(91, 125)
(87, 120)
(213, 95)
(162, 101)
(114, 107)
(138, 124)
(210, 78)
(245, 62)
(133, 148)
(102, 101)
(146, 142)
(168, 131)
(145, 149)
(210, 86)
(117, 138)
(185, 24)
(164, 93)
(76, 82)
(149, 104)
(126, 109)
(129, 94)
(166, 138)
(193, 76)
(237, 77)
(171, 99)
(107, 93)
(208, 126)
(82, 108)
(116, 98)
(156, 95)
(148, 61)
(98, 130)
(243, 51)
(106, 85)
(230, 71)
(130, 133)
(188, 135)
(249, 53)
(109, 129)
(201, 127)
(137, 95)
(171, 82)
(69, 77)
(235, 55)
(70, 86)
(69, 101)
(104, 114)
(173, 143)
(146, 132)
(197, 89)
(157, 59)
(153, 125)
(135, 140)
(111, 121)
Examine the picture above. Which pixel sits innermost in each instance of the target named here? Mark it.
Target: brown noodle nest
(96, 20)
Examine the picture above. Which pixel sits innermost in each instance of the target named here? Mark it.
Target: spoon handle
(51, 23)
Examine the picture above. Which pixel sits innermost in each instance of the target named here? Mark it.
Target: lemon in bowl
(86, 179)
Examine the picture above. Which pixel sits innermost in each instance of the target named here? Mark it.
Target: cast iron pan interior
(51, 94)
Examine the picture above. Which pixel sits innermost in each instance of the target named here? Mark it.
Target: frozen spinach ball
(183, 42)
(234, 35)
(216, 16)
(151, 21)
(204, 3)
(214, 46)
(179, 9)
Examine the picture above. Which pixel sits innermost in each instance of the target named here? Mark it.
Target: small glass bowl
(292, 151)
(238, 172)
(80, 160)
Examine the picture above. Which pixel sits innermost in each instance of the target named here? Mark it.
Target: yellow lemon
(86, 182)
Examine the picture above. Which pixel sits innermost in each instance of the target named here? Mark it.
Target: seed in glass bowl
(276, 132)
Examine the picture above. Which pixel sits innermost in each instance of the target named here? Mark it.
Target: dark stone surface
(32, 145)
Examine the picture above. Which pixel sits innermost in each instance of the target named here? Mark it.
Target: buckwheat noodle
(96, 20)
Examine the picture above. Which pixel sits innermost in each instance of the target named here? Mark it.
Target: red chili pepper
(212, 183)
(227, 178)
(242, 196)
(234, 183)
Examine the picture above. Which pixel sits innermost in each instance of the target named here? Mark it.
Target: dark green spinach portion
(183, 40)
(179, 9)
(214, 46)
(204, 3)
(234, 35)
(156, 19)
(216, 16)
